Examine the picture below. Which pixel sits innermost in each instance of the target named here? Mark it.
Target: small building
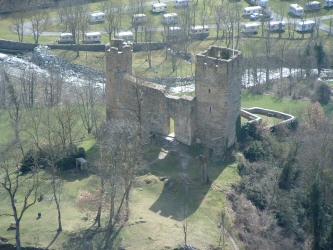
(159, 7)
(199, 31)
(182, 3)
(251, 28)
(306, 26)
(66, 38)
(313, 6)
(97, 17)
(251, 10)
(171, 18)
(295, 10)
(139, 19)
(277, 26)
(127, 36)
(92, 37)
(81, 164)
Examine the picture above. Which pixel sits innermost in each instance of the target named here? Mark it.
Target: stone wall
(211, 116)
(147, 46)
(16, 47)
(268, 112)
(218, 100)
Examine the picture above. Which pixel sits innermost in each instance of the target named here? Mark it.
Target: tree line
(282, 200)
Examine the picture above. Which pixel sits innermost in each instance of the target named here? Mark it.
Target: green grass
(288, 106)
(152, 202)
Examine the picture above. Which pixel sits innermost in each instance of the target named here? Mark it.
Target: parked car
(256, 16)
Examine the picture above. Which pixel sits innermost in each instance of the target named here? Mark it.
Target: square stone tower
(218, 97)
(118, 63)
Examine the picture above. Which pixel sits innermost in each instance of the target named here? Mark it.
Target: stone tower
(218, 97)
(118, 63)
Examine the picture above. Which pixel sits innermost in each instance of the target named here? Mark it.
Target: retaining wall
(7, 46)
(283, 116)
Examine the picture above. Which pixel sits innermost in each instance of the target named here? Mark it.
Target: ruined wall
(211, 116)
(140, 101)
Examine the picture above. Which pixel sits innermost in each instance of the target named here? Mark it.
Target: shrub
(66, 163)
(323, 94)
(255, 151)
(81, 153)
(31, 159)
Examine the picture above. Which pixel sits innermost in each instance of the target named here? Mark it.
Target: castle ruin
(208, 118)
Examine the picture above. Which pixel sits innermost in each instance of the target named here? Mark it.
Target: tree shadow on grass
(173, 197)
(92, 238)
(69, 177)
(54, 239)
(83, 238)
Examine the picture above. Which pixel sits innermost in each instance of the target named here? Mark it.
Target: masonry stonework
(210, 117)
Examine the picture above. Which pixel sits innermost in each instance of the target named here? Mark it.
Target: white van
(97, 17)
(66, 38)
(296, 10)
(251, 28)
(159, 7)
(251, 10)
(92, 37)
(171, 18)
(174, 31)
(306, 26)
(182, 3)
(199, 31)
(262, 3)
(277, 26)
(313, 6)
(139, 19)
(127, 36)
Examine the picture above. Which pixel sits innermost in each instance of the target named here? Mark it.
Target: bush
(255, 151)
(30, 160)
(66, 163)
(323, 94)
(81, 153)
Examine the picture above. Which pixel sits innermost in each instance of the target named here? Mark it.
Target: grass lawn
(288, 106)
(152, 203)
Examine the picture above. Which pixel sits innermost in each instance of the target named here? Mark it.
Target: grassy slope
(158, 206)
(272, 102)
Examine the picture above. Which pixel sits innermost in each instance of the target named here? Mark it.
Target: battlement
(117, 47)
(216, 57)
(210, 117)
(119, 57)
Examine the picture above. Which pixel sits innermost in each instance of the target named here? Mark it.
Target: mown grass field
(153, 203)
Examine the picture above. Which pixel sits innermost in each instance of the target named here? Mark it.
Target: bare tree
(90, 202)
(218, 17)
(39, 22)
(113, 11)
(149, 34)
(89, 99)
(15, 110)
(27, 186)
(76, 17)
(122, 149)
(52, 87)
(18, 18)
(184, 216)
